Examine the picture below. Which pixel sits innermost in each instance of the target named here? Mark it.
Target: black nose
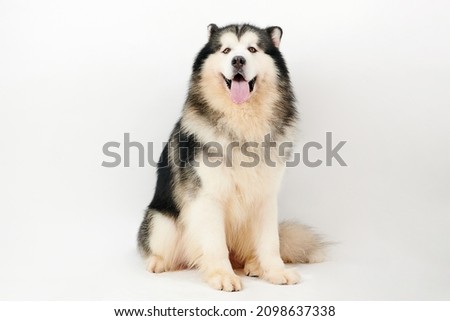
(238, 62)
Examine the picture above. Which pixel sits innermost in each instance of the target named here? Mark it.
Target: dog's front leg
(206, 244)
(267, 246)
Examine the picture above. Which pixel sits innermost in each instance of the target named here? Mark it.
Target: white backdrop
(77, 74)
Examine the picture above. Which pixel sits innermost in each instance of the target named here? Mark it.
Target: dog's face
(239, 64)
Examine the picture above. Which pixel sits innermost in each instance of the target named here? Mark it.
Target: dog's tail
(299, 244)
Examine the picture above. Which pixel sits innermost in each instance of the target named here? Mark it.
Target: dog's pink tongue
(240, 91)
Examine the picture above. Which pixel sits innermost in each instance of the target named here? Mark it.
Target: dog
(211, 210)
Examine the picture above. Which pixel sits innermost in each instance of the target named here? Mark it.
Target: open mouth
(240, 89)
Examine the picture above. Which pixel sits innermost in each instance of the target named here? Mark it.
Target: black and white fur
(225, 217)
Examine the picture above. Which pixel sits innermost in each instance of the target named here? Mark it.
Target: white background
(77, 74)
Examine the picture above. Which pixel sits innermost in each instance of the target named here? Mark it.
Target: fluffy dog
(215, 206)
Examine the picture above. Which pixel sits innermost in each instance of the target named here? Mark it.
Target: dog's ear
(212, 28)
(275, 34)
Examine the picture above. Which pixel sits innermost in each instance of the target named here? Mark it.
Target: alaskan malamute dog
(215, 203)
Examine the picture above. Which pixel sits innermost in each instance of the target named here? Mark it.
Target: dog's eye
(252, 49)
(226, 50)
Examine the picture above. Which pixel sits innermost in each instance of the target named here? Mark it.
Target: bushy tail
(298, 244)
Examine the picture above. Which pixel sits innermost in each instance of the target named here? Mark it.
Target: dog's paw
(224, 281)
(156, 264)
(282, 276)
(252, 268)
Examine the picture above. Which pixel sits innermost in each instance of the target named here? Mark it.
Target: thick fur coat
(215, 206)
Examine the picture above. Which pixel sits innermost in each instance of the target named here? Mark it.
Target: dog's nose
(237, 62)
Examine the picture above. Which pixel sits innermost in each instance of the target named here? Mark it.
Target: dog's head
(240, 64)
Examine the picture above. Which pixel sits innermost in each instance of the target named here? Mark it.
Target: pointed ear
(275, 34)
(212, 28)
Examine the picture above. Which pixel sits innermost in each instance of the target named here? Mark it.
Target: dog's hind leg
(158, 242)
